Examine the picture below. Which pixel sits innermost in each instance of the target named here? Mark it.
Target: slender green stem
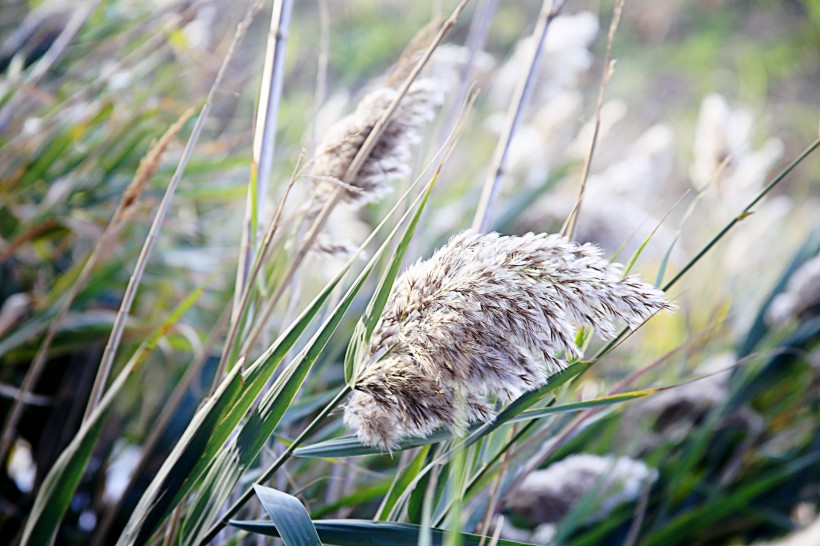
(745, 213)
(261, 256)
(276, 465)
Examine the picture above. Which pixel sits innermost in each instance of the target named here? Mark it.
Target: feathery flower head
(486, 317)
(391, 156)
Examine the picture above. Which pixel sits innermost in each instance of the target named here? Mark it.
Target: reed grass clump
(486, 318)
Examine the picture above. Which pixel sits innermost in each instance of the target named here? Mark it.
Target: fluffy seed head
(487, 317)
(390, 158)
(395, 399)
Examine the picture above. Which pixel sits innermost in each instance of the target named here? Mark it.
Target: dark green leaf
(353, 532)
(290, 518)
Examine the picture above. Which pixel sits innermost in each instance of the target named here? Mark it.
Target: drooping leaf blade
(211, 427)
(289, 516)
(353, 532)
(262, 422)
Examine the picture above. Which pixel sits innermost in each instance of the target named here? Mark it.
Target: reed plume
(486, 318)
(801, 298)
(390, 158)
(548, 495)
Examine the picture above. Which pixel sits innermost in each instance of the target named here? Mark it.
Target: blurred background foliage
(749, 469)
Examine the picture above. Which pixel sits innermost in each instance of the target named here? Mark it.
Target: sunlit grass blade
(353, 532)
(211, 427)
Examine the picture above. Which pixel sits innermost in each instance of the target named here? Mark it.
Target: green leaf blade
(292, 521)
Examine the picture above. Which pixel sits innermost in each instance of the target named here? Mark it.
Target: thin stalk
(493, 496)
(45, 63)
(238, 316)
(476, 37)
(568, 229)
(320, 90)
(139, 269)
(264, 138)
(523, 91)
(352, 170)
(276, 465)
(640, 514)
(495, 458)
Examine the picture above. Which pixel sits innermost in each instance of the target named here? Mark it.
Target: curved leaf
(352, 532)
(58, 488)
(290, 518)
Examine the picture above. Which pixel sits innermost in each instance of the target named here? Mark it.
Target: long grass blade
(58, 488)
(351, 532)
(252, 437)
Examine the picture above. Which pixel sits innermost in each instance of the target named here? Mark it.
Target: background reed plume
(390, 158)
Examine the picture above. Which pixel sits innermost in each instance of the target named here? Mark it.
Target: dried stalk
(568, 229)
(321, 69)
(264, 140)
(136, 277)
(523, 91)
(476, 37)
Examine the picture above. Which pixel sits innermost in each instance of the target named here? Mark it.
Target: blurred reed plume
(486, 317)
(161, 371)
(546, 496)
(801, 299)
(390, 157)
